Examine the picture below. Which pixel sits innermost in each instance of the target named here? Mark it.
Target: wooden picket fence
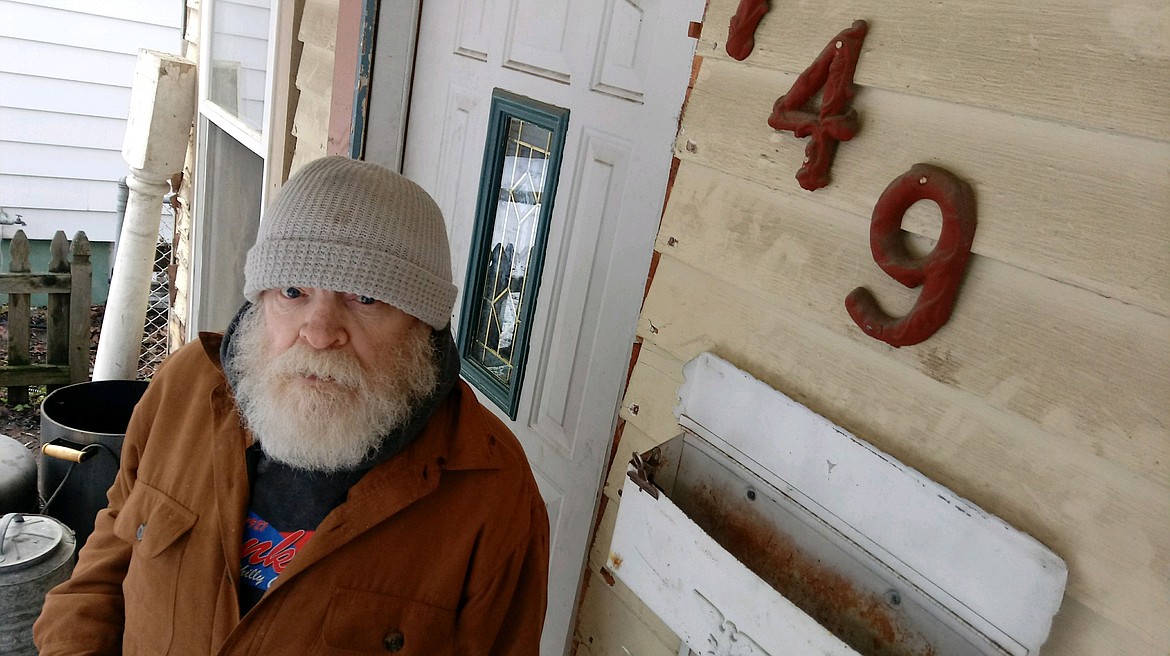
(69, 284)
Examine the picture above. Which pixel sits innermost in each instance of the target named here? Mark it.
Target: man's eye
(366, 300)
(290, 292)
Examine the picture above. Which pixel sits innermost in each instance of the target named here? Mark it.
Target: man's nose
(323, 327)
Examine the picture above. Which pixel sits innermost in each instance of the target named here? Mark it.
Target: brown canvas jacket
(441, 550)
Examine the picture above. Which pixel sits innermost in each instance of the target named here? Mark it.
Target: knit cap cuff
(279, 263)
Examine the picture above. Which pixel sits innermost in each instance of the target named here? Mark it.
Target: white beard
(320, 410)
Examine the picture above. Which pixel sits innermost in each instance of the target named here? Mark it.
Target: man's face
(322, 377)
(326, 320)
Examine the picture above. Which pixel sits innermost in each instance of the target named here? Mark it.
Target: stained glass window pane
(517, 215)
(513, 214)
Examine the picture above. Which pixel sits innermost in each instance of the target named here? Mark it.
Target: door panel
(621, 67)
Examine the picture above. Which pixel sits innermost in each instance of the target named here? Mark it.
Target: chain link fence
(155, 336)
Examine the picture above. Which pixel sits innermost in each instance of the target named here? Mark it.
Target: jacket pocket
(155, 526)
(369, 622)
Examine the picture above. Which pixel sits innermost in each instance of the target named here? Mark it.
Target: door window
(517, 185)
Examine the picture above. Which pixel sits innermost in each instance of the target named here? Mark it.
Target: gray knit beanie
(355, 227)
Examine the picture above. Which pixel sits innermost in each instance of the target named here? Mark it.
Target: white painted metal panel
(622, 59)
(474, 36)
(538, 38)
(714, 603)
(991, 576)
(565, 365)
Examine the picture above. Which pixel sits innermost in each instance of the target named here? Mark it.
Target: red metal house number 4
(835, 121)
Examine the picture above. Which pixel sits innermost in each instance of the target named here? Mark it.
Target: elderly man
(318, 480)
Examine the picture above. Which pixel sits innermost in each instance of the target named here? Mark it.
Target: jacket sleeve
(506, 615)
(85, 615)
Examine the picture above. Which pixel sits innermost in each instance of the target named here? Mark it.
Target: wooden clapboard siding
(1046, 398)
(614, 622)
(1086, 207)
(60, 162)
(66, 68)
(151, 12)
(1106, 521)
(51, 128)
(61, 62)
(86, 25)
(102, 224)
(59, 193)
(1025, 344)
(65, 97)
(1089, 63)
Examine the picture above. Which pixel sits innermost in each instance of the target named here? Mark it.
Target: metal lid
(27, 539)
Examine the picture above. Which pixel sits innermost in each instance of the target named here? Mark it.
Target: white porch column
(162, 108)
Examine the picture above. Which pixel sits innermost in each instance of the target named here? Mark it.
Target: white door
(621, 68)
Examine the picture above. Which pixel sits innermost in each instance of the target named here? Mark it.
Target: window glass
(517, 186)
(238, 72)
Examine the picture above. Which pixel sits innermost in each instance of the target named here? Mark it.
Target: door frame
(379, 134)
(211, 296)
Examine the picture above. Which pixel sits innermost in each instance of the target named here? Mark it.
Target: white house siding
(66, 67)
(1046, 398)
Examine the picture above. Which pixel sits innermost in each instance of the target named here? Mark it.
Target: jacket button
(394, 641)
(140, 532)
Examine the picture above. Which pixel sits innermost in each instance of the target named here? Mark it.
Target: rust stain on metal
(862, 620)
(608, 576)
(615, 561)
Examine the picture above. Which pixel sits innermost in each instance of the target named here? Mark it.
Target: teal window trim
(505, 107)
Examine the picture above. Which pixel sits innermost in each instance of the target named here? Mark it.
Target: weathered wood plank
(319, 23)
(311, 128)
(20, 377)
(1081, 206)
(1106, 522)
(57, 309)
(1092, 63)
(315, 72)
(33, 283)
(18, 318)
(612, 621)
(1092, 369)
(80, 303)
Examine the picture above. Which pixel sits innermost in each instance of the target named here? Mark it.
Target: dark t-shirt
(286, 507)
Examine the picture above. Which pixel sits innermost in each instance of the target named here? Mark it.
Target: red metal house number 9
(939, 273)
